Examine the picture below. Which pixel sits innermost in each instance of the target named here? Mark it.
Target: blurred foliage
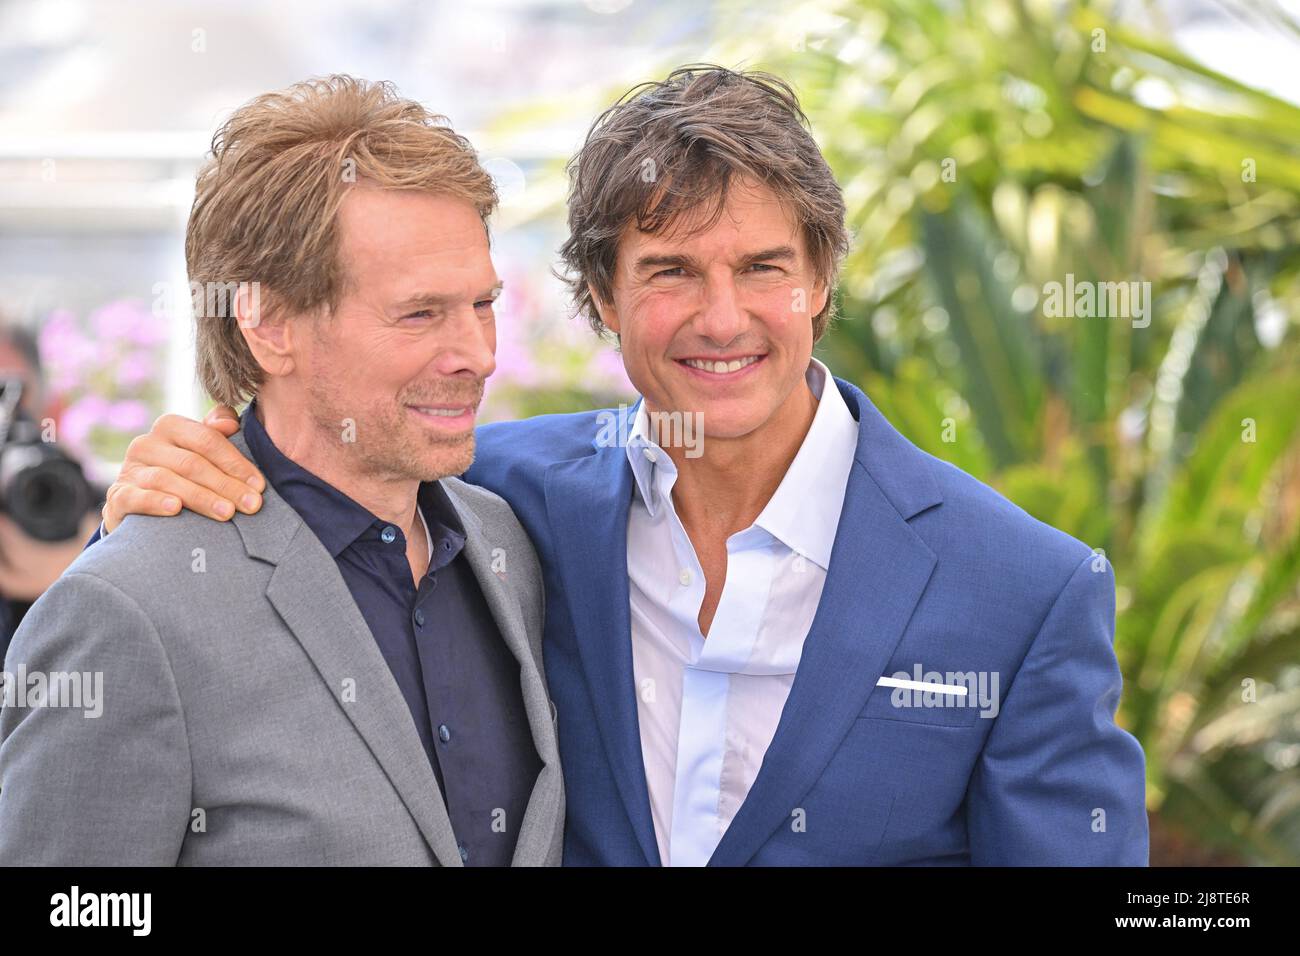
(987, 149)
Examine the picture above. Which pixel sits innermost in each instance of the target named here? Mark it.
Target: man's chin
(448, 458)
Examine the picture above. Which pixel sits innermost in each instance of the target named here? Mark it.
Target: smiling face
(406, 352)
(719, 320)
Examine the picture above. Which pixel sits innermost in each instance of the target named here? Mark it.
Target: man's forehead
(743, 203)
(373, 221)
(429, 244)
(736, 228)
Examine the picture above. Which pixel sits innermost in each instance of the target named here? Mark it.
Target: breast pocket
(913, 708)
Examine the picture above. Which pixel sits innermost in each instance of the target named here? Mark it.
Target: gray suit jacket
(248, 717)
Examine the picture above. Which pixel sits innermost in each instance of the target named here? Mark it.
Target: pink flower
(67, 352)
(136, 368)
(127, 321)
(78, 419)
(128, 416)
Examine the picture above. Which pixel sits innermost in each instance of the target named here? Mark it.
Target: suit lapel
(537, 829)
(587, 500)
(309, 593)
(879, 568)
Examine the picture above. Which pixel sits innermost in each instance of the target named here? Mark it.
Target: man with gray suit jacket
(352, 674)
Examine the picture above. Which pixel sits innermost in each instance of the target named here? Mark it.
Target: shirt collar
(804, 512)
(652, 469)
(333, 517)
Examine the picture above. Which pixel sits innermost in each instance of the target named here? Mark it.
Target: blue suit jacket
(929, 567)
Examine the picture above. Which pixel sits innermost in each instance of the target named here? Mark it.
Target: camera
(42, 489)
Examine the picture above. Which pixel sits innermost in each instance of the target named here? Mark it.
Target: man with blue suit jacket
(777, 632)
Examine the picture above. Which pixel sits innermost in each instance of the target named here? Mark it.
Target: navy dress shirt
(459, 679)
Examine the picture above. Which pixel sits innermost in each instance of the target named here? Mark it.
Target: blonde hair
(267, 201)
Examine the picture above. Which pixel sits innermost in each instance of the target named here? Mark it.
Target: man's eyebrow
(766, 255)
(426, 300)
(660, 262)
(673, 261)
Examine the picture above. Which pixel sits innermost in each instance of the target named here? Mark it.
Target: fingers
(210, 445)
(184, 463)
(124, 499)
(149, 486)
(199, 484)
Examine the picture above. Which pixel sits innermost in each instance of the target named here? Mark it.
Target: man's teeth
(443, 412)
(719, 367)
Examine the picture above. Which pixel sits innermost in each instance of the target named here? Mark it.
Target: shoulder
(147, 557)
(129, 590)
(963, 520)
(545, 438)
(511, 458)
(992, 535)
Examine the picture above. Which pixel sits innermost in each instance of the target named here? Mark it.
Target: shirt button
(464, 853)
(388, 535)
(649, 454)
(419, 617)
(443, 733)
(685, 577)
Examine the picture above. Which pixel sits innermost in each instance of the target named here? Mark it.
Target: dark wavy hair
(675, 146)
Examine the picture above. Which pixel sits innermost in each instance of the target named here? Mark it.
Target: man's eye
(763, 267)
(422, 314)
(669, 273)
(485, 303)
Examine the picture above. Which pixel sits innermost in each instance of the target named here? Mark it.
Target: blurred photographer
(47, 507)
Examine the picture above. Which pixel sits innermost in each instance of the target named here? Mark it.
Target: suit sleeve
(105, 782)
(1058, 782)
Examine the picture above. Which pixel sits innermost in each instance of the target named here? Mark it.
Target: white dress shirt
(708, 708)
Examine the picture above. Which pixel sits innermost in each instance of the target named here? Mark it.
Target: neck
(293, 431)
(727, 487)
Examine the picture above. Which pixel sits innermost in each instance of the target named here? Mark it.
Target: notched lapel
(312, 598)
(543, 813)
(587, 501)
(879, 568)
(309, 593)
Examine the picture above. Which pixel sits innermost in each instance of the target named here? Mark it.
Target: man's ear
(821, 293)
(267, 331)
(608, 314)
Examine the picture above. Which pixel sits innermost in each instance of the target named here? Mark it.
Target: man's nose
(471, 346)
(721, 317)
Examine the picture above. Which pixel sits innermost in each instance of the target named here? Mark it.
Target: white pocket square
(958, 690)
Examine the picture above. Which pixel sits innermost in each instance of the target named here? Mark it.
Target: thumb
(223, 419)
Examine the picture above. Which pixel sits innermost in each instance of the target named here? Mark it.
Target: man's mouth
(726, 366)
(449, 412)
(445, 417)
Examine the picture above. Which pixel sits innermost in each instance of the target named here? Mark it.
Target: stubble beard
(388, 444)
